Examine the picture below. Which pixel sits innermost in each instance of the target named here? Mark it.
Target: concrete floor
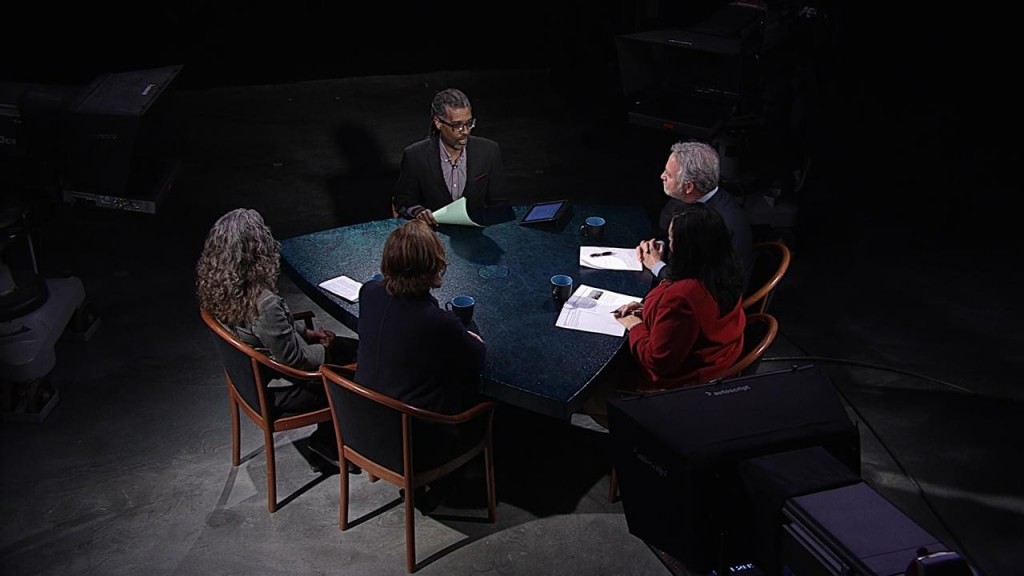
(131, 471)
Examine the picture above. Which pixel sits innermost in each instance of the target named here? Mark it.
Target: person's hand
(475, 335)
(650, 252)
(628, 309)
(629, 321)
(427, 216)
(321, 336)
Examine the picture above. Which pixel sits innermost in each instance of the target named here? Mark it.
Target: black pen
(596, 254)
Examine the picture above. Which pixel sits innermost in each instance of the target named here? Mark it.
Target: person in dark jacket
(691, 175)
(450, 163)
(413, 350)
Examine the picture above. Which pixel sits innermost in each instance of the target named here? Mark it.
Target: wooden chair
(771, 261)
(378, 433)
(247, 373)
(758, 335)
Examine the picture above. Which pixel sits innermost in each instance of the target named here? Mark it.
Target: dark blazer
(421, 182)
(413, 350)
(735, 220)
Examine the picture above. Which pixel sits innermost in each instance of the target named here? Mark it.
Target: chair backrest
(758, 336)
(367, 424)
(380, 428)
(771, 261)
(248, 370)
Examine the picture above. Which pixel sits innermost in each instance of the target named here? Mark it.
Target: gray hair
(240, 259)
(698, 163)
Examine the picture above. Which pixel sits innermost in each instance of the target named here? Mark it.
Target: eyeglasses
(459, 126)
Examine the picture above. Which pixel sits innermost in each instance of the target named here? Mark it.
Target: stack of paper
(344, 287)
(604, 258)
(590, 310)
(455, 213)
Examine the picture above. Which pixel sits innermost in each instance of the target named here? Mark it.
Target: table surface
(507, 267)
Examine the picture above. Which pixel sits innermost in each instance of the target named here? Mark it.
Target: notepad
(605, 258)
(344, 287)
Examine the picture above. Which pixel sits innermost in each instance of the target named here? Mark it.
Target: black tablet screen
(544, 212)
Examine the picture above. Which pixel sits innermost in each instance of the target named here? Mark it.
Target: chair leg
(613, 486)
(268, 441)
(489, 474)
(236, 454)
(343, 497)
(410, 528)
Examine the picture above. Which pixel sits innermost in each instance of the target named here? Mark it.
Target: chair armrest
(306, 316)
(464, 416)
(286, 370)
(344, 375)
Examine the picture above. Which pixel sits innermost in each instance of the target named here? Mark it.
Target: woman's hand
(321, 336)
(629, 321)
(629, 309)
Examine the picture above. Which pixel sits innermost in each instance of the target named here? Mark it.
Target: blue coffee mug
(593, 228)
(462, 306)
(561, 288)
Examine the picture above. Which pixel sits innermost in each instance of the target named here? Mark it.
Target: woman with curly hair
(236, 281)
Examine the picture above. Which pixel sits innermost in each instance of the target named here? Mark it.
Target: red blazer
(682, 341)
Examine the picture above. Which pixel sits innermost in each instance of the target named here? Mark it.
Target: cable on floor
(862, 364)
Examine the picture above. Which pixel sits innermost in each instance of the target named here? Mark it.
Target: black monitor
(98, 140)
(677, 456)
(106, 134)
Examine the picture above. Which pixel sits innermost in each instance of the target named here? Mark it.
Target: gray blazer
(276, 333)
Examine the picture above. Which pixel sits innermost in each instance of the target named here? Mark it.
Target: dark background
(911, 103)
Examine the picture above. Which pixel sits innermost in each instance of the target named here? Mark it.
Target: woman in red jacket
(689, 328)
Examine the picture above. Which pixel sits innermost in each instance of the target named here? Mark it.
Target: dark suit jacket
(413, 350)
(735, 220)
(421, 182)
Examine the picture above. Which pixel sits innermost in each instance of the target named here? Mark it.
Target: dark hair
(413, 260)
(443, 100)
(702, 249)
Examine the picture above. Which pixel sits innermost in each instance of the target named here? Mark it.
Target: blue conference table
(507, 267)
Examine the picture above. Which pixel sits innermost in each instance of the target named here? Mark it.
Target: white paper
(455, 213)
(343, 286)
(590, 310)
(618, 259)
